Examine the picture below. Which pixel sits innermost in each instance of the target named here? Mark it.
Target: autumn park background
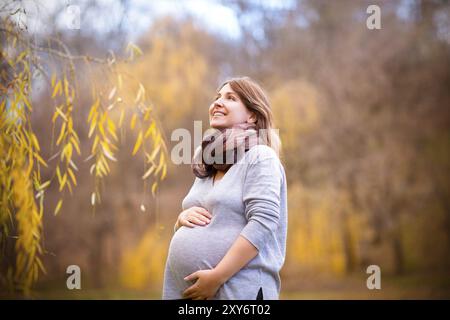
(88, 107)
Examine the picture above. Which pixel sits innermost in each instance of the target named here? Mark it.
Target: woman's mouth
(218, 114)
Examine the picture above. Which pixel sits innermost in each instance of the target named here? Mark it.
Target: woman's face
(228, 110)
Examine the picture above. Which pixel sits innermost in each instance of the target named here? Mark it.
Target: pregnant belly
(199, 248)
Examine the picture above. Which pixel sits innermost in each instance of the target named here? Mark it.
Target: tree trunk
(349, 256)
(96, 258)
(398, 254)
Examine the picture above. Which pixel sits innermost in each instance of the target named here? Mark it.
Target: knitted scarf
(221, 148)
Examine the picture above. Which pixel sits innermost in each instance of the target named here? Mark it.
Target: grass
(399, 287)
(404, 287)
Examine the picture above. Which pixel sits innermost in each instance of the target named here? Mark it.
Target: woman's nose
(218, 102)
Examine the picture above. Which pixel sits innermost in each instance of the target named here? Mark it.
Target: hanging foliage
(22, 190)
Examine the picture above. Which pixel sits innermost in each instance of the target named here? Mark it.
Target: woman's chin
(217, 124)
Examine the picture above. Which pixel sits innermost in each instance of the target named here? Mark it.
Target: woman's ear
(252, 118)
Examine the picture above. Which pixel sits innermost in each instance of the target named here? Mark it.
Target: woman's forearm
(237, 257)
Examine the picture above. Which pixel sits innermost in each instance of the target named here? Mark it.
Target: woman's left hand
(206, 286)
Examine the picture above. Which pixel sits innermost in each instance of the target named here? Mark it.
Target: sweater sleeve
(261, 196)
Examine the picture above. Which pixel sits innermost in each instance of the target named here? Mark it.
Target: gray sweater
(250, 200)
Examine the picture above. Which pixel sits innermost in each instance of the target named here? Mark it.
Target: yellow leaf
(61, 133)
(154, 153)
(94, 145)
(122, 114)
(147, 114)
(27, 102)
(72, 176)
(63, 182)
(57, 89)
(138, 143)
(92, 128)
(164, 172)
(150, 129)
(93, 109)
(75, 144)
(35, 141)
(137, 49)
(154, 186)
(73, 165)
(148, 173)
(58, 110)
(69, 186)
(133, 121)
(75, 136)
(66, 87)
(58, 174)
(44, 185)
(101, 128)
(55, 116)
(141, 92)
(112, 93)
(39, 194)
(38, 157)
(107, 152)
(58, 206)
(20, 57)
(105, 146)
(112, 129)
(119, 80)
(133, 49)
(161, 163)
(40, 265)
(70, 125)
(67, 152)
(105, 164)
(100, 169)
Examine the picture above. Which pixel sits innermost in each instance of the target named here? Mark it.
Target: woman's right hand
(193, 216)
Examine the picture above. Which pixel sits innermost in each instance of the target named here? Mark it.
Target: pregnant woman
(230, 238)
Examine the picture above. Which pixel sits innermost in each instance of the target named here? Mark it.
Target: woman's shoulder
(259, 153)
(264, 161)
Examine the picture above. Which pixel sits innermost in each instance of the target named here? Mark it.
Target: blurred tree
(375, 90)
(177, 71)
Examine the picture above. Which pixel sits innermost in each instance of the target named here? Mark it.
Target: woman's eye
(232, 98)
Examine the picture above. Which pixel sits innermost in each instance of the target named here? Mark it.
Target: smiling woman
(230, 240)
